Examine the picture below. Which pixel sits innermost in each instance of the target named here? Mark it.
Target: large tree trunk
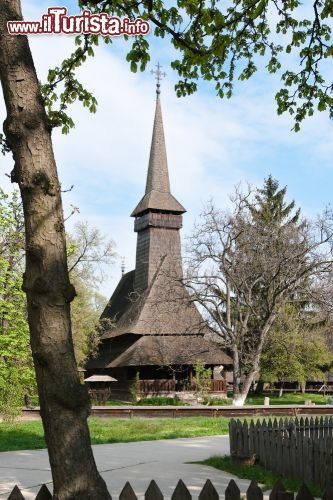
(238, 398)
(241, 390)
(63, 400)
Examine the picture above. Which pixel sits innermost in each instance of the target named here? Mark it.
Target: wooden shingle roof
(164, 350)
(164, 308)
(120, 300)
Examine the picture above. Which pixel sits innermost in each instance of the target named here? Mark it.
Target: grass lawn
(28, 435)
(25, 435)
(258, 473)
(288, 398)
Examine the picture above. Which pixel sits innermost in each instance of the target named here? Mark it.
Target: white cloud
(211, 144)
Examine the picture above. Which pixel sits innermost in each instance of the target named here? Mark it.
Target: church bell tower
(158, 215)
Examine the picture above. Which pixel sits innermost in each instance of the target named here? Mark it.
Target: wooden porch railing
(162, 386)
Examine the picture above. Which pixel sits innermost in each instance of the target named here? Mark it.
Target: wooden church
(152, 330)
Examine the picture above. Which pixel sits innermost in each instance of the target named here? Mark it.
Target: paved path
(165, 461)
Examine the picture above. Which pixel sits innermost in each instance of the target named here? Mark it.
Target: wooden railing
(157, 386)
(162, 386)
(219, 386)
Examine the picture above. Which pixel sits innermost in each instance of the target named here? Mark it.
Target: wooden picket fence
(208, 492)
(301, 448)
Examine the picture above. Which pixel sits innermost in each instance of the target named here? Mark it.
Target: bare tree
(242, 268)
(88, 251)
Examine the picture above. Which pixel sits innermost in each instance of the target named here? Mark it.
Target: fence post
(153, 492)
(277, 488)
(285, 495)
(208, 492)
(245, 440)
(232, 492)
(304, 493)
(232, 444)
(263, 443)
(181, 492)
(16, 494)
(328, 495)
(44, 493)
(254, 492)
(127, 493)
(252, 440)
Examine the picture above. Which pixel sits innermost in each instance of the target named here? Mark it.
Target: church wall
(141, 267)
(156, 243)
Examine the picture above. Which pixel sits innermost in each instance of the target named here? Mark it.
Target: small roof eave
(100, 378)
(157, 200)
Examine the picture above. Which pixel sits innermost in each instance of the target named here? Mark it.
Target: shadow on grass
(21, 436)
(258, 473)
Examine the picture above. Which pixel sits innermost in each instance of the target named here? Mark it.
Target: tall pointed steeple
(158, 214)
(154, 327)
(157, 194)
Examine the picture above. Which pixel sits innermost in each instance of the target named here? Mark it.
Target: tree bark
(64, 401)
(240, 395)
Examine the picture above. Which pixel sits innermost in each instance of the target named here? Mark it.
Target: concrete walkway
(164, 461)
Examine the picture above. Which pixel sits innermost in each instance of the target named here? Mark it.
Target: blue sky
(212, 144)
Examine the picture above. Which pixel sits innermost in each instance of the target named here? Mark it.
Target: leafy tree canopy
(17, 377)
(220, 43)
(87, 251)
(295, 348)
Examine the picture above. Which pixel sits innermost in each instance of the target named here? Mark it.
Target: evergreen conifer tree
(270, 206)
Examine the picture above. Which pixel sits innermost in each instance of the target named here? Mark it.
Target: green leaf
(134, 67)
(329, 51)
(259, 9)
(321, 106)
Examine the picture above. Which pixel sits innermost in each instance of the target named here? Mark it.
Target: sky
(212, 144)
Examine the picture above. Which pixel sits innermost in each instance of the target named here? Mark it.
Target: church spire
(157, 193)
(158, 216)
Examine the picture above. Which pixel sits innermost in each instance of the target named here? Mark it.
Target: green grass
(288, 398)
(28, 435)
(265, 478)
(140, 429)
(21, 436)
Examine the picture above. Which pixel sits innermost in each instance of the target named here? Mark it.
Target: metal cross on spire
(159, 75)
